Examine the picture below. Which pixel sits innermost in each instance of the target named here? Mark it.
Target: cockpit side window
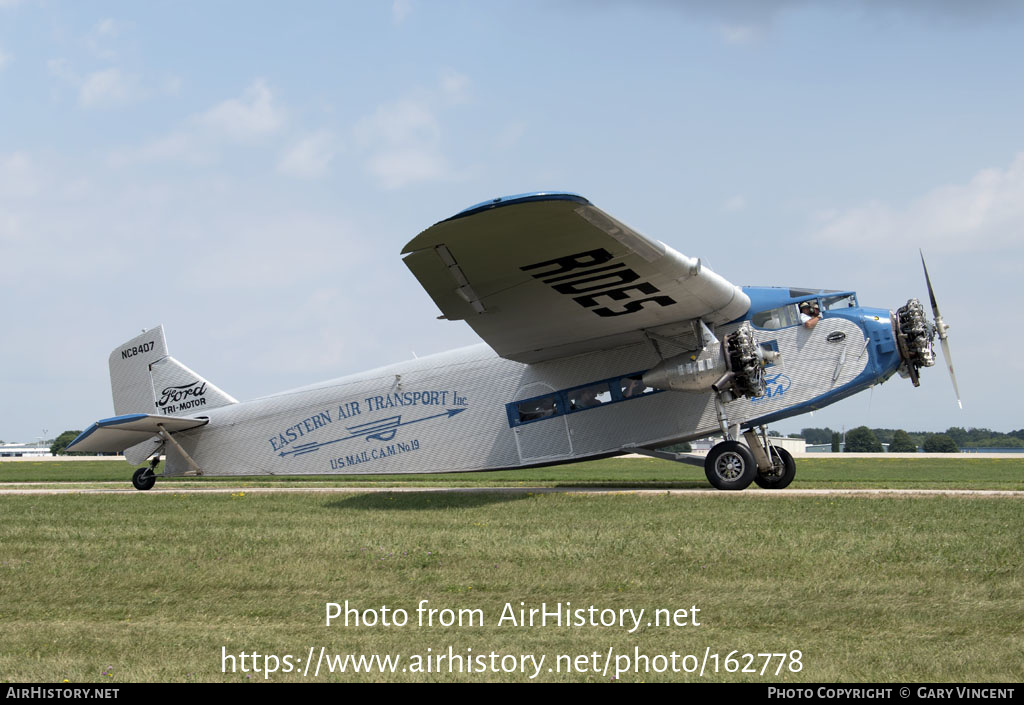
(782, 317)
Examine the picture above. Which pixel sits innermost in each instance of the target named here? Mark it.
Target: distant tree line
(870, 440)
(61, 442)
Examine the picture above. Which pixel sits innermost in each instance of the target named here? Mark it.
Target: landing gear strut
(144, 478)
(730, 368)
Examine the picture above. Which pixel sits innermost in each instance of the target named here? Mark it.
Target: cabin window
(576, 399)
(592, 395)
(533, 409)
(782, 317)
(633, 386)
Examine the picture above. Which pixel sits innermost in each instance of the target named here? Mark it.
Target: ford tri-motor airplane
(599, 341)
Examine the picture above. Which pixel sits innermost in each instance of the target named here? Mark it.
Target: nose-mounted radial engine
(730, 368)
(915, 337)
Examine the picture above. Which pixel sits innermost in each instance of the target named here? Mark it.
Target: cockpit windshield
(831, 303)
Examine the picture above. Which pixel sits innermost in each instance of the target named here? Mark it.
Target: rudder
(144, 378)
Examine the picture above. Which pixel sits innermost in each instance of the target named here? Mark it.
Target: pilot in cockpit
(810, 314)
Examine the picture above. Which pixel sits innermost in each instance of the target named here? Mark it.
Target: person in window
(810, 314)
(586, 399)
(537, 409)
(632, 387)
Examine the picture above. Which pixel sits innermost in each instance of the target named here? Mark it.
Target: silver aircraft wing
(546, 275)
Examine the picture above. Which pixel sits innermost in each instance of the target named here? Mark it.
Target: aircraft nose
(881, 343)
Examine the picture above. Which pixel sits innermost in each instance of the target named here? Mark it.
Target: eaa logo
(774, 386)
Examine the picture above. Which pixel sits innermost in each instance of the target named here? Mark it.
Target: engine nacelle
(690, 372)
(733, 367)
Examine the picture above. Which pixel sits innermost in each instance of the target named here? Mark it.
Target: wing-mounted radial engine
(730, 368)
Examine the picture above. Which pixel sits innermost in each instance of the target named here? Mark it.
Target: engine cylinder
(735, 366)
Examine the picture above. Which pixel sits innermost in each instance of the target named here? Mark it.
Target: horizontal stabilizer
(121, 432)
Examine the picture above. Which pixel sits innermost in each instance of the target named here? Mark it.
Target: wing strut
(170, 439)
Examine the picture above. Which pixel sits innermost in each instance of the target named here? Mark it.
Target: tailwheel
(730, 466)
(144, 478)
(781, 473)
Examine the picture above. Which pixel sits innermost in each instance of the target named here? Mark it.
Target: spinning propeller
(941, 328)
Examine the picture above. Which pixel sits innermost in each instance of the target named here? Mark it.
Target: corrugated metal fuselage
(450, 412)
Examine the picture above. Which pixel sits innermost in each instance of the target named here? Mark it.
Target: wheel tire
(784, 471)
(143, 479)
(730, 466)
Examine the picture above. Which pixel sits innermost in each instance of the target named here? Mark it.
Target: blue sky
(247, 173)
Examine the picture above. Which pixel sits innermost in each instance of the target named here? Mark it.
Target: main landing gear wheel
(730, 466)
(782, 473)
(144, 478)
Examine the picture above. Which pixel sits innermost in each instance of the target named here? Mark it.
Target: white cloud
(108, 27)
(401, 122)
(103, 34)
(179, 146)
(251, 116)
(400, 9)
(510, 135)
(198, 139)
(395, 168)
(172, 85)
(106, 88)
(740, 34)
(986, 213)
(20, 176)
(59, 68)
(747, 21)
(109, 87)
(403, 138)
(310, 157)
(734, 204)
(455, 87)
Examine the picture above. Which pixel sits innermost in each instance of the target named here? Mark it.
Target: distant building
(795, 446)
(23, 450)
(821, 447)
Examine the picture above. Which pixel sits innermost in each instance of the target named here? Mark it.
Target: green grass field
(158, 587)
(912, 473)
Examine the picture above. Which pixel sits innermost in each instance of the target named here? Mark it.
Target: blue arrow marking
(379, 430)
